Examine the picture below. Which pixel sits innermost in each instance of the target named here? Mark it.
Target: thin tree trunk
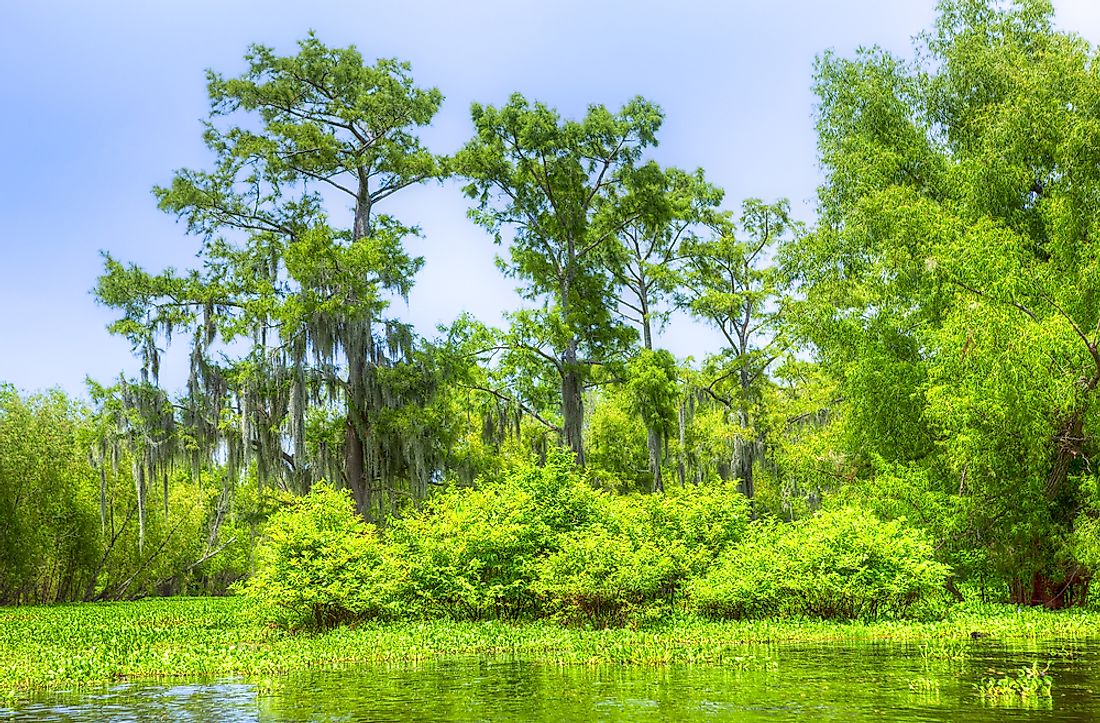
(745, 447)
(743, 458)
(653, 439)
(356, 349)
(572, 404)
(89, 593)
(653, 435)
(647, 327)
(681, 467)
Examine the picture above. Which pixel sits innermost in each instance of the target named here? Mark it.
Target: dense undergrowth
(539, 542)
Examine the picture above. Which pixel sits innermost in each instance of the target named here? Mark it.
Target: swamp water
(841, 682)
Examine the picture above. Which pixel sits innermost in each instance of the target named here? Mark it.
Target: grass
(68, 646)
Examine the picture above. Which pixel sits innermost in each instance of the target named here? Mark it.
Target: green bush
(50, 534)
(606, 575)
(635, 560)
(472, 553)
(320, 564)
(708, 518)
(840, 564)
(540, 541)
(469, 554)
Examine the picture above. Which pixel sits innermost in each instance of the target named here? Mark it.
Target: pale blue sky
(101, 100)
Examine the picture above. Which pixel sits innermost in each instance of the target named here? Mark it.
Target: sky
(100, 101)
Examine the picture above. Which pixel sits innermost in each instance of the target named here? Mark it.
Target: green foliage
(840, 564)
(285, 313)
(616, 439)
(605, 574)
(472, 553)
(1085, 541)
(632, 563)
(731, 284)
(650, 388)
(538, 540)
(49, 527)
(552, 186)
(709, 518)
(1023, 685)
(71, 517)
(801, 422)
(708, 437)
(157, 561)
(320, 564)
(950, 287)
(62, 647)
(664, 209)
(948, 297)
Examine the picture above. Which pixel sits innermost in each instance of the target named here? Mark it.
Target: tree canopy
(553, 185)
(287, 314)
(951, 281)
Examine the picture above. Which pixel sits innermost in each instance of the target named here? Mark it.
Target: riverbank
(67, 646)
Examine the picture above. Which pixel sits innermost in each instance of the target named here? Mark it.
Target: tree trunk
(653, 439)
(647, 327)
(572, 403)
(681, 466)
(744, 450)
(653, 435)
(356, 349)
(355, 425)
(743, 458)
(354, 467)
(744, 447)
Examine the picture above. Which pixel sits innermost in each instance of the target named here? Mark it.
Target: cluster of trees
(298, 371)
(295, 364)
(70, 527)
(928, 348)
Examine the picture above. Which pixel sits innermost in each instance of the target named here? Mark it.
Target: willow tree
(550, 187)
(952, 285)
(301, 297)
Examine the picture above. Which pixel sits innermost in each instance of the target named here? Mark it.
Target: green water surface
(842, 682)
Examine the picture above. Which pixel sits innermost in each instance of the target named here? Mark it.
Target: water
(841, 682)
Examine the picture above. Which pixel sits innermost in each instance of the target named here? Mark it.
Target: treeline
(928, 348)
(69, 517)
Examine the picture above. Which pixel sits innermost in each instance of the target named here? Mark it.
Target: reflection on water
(839, 682)
(222, 701)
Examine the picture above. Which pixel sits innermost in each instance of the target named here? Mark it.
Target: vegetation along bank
(897, 425)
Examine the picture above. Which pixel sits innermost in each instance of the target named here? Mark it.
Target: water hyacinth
(68, 646)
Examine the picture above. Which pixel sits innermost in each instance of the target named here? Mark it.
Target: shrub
(635, 561)
(472, 553)
(606, 575)
(838, 564)
(707, 518)
(469, 554)
(50, 536)
(320, 564)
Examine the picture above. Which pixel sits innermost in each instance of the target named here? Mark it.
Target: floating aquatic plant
(1022, 684)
